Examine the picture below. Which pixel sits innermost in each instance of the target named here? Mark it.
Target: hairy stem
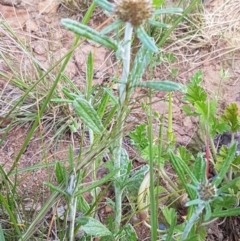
(121, 117)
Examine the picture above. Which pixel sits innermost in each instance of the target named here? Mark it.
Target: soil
(37, 23)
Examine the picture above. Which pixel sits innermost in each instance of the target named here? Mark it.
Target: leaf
(105, 5)
(89, 33)
(88, 115)
(93, 227)
(220, 128)
(160, 85)
(199, 168)
(1, 234)
(168, 11)
(89, 75)
(69, 94)
(226, 213)
(194, 91)
(141, 61)
(134, 182)
(226, 164)
(103, 180)
(61, 173)
(130, 233)
(189, 110)
(229, 184)
(158, 24)
(169, 214)
(114, 26)
(139, 137)
(185, 154)
(173, 224)
(55, 188)
(231, 117)
(126, 166)
(225, 202)
(60, 100)
(181, 169)
(82, 204)
(146, 40)
(197, 78)
(206, 110)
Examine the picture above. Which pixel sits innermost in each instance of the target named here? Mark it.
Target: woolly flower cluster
(206, 191)
(135, 12)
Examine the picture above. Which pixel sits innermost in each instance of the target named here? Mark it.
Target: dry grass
(215, 29)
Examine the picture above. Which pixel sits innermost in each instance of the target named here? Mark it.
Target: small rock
(31, 26)
(108, 209)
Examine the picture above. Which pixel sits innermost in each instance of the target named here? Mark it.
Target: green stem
(189, 224)
(121, 116)
(170, 130)
(153, 208)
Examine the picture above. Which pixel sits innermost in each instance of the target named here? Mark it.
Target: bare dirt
(37, 23)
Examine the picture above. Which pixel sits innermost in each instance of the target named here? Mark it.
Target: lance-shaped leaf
(160, 85)
(114, 26)
(88, 115)
(105, 5)
(93, 227)
(146, 39)
(141, 61)
(89, 33)
(168, 11)
(158, 24)
(225, 167)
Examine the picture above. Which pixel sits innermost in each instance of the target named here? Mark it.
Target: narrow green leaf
(146, 40)
(226, 213)
(109, 118)
(88, 115)
(103, 104)
(2, 238)
(59, 100)
(98, 183)
(70, 159)
(228, 185)
(11, 213)
(89, 33)
(55, 188)
(160, 85)
(141, 61)
(199, 168)
(93, 227)
(105, 5)
(82, 204)
(114, 26)
(173, 225)
(181, 169)
(59, 173)
(69, 93)
(168, 11)
(89, 75)
(159, 25)
(226, 164)
(130, 233)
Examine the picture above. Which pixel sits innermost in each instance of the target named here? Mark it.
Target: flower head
(206, 191)
(135, 12)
